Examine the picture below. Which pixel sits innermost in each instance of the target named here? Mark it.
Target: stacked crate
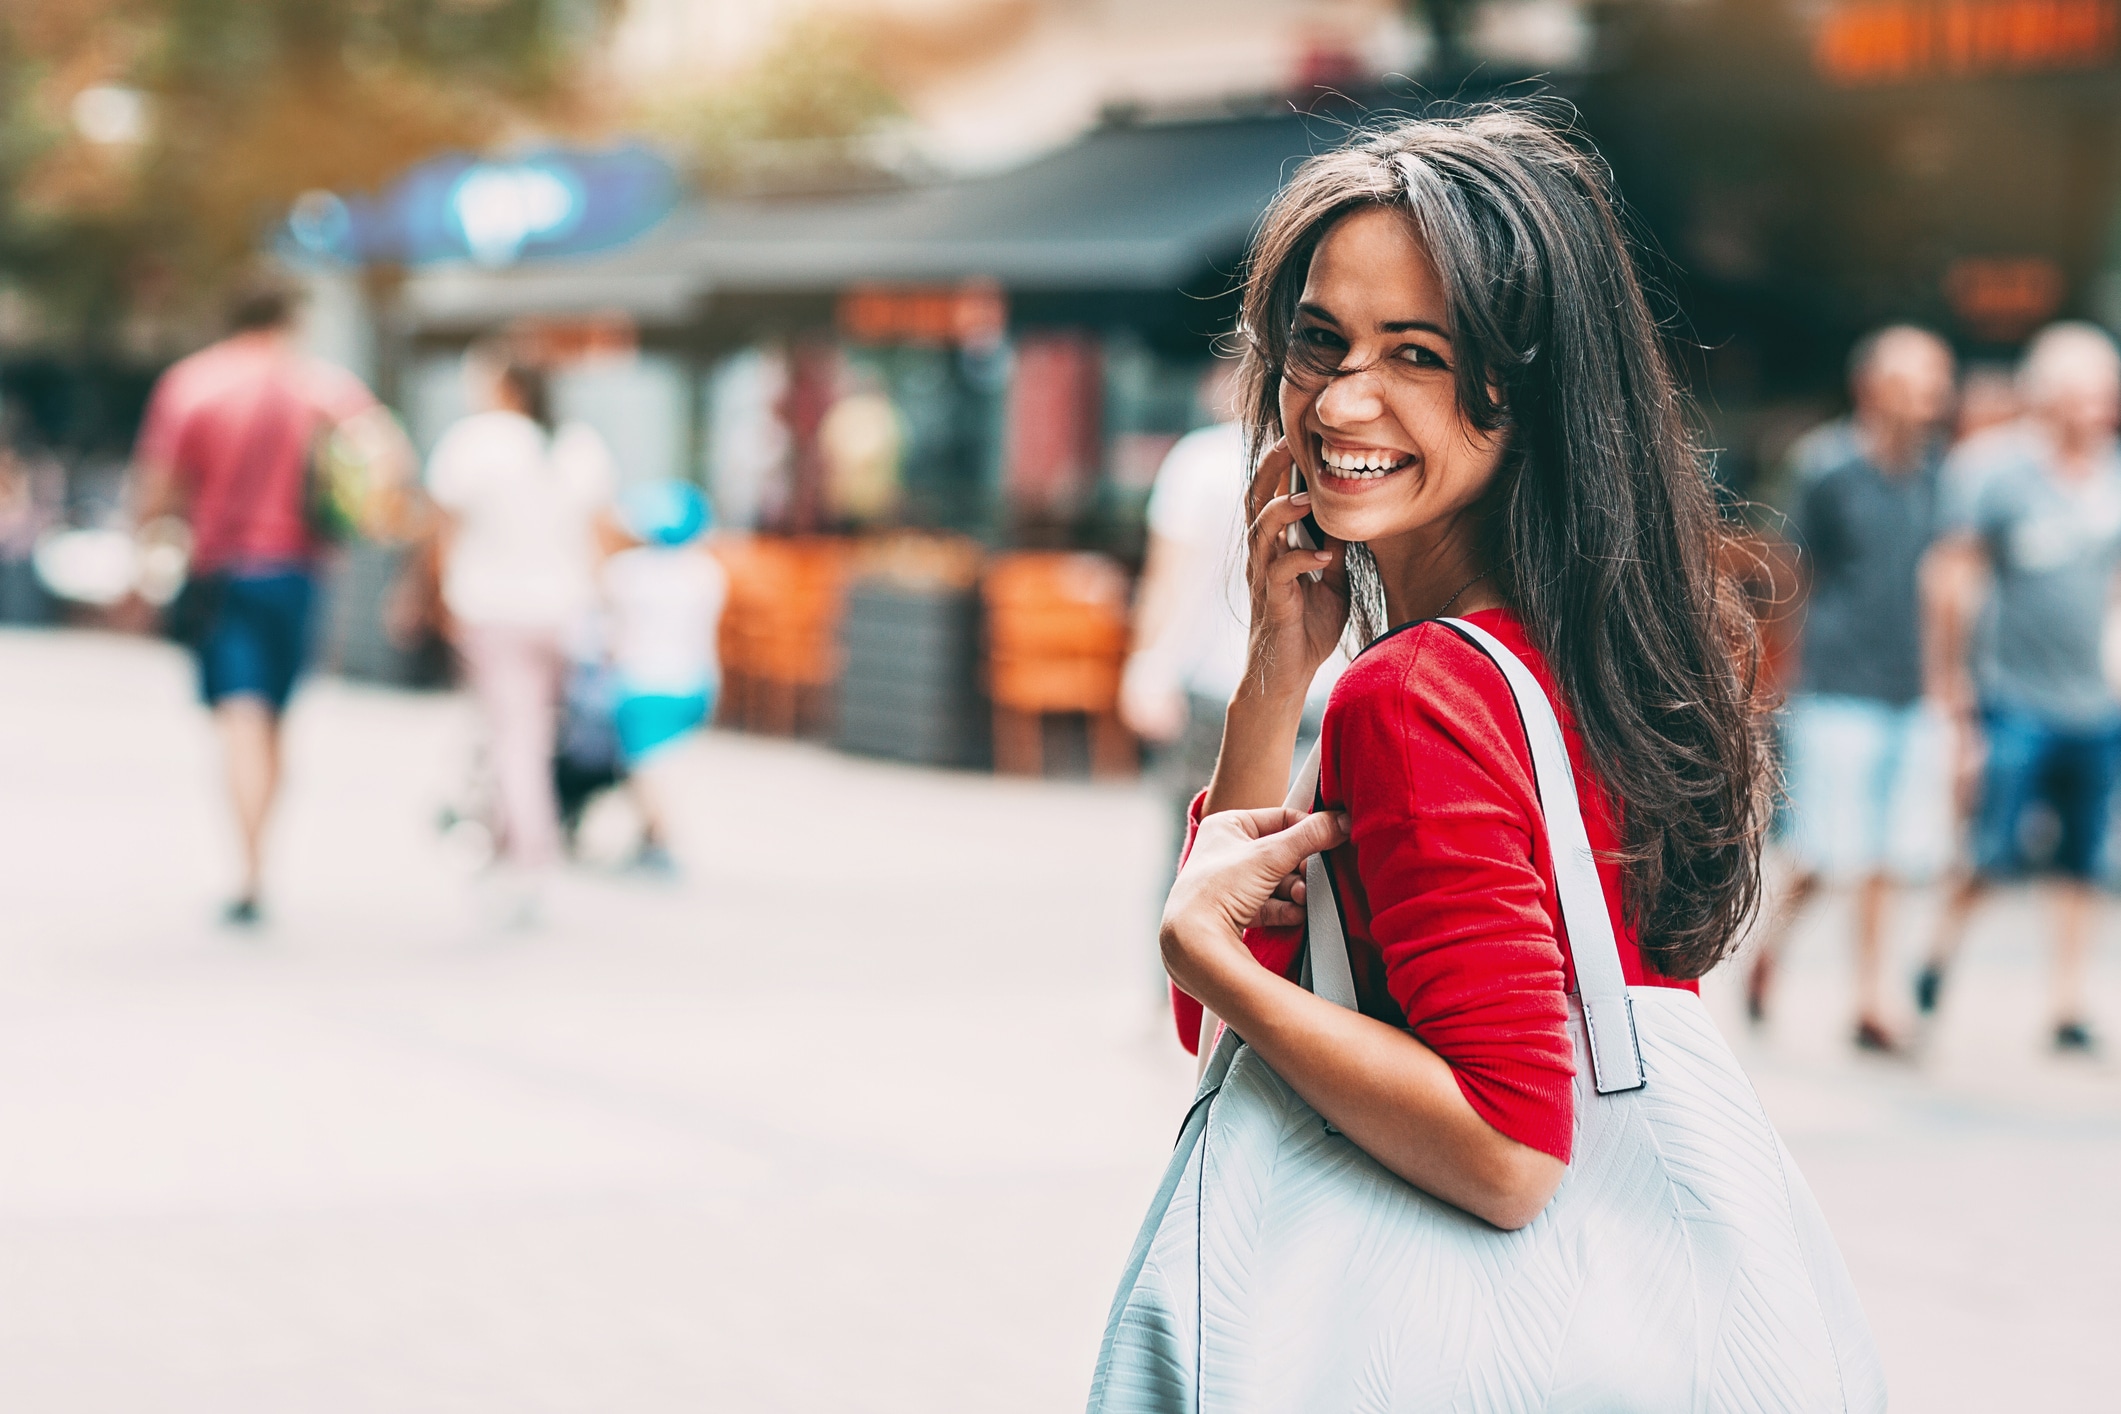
(780, 631)
(910, 685)
(1056, 642)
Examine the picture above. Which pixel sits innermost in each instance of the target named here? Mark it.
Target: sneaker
(241, 913)
(653, 859)
(1872, 1037)
(1928, 983)
(2074, 1038)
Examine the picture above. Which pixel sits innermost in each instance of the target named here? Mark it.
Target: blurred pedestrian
(663, 597)
(1988, 397)
(2036, 534)
(1192, 609)
(519, 500)
(227, 445)
(1861, 741)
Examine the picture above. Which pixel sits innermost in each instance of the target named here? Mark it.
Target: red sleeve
(1425, 752)
(1276, 948)
(1185, 1010)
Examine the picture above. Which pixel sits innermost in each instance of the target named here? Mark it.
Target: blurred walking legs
(515, 676)
(2076, 910)
(2073, 772)
(249, 729)
(1867, 802)
(1874, 893)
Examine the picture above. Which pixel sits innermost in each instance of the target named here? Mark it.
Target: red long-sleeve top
(1446, 886)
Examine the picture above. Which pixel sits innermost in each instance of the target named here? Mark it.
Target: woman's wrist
(1225, 979)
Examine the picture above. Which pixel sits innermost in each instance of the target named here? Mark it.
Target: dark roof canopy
(1130, 206)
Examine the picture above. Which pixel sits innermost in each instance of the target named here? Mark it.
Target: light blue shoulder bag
(1683, 1265)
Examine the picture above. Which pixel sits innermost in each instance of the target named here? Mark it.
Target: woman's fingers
(1279, 913)
(1285, 568)
(1277, 515)
(1270, 478)
(1280, 830)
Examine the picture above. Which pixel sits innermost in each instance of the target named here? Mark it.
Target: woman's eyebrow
(1407, 326)
(1318, 312)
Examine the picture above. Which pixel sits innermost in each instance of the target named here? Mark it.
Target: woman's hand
(1296, 623)
(1245, 870)
(1297, 620)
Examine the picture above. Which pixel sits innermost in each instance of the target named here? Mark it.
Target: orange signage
(556, 342)
(2004, 298)
(974, 313)
(1886, 41)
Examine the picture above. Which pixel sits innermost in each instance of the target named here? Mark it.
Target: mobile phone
(1305, 534)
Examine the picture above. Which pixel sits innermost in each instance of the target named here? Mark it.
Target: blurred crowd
(584, 619)
(1952, 708)
(1934, 587)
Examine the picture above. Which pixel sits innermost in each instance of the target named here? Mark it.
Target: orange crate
(1057, 641)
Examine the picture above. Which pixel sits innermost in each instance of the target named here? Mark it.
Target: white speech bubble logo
(500, 208)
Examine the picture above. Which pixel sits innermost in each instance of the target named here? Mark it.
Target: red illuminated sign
(1885, 41)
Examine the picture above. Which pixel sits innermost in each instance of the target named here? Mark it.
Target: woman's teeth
(1362, 466)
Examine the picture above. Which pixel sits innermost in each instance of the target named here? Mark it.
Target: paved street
(858, 1115)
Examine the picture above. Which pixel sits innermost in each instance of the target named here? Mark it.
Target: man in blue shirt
(2021, 589)
(1861, 743)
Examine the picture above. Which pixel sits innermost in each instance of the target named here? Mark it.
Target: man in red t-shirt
(226, 445)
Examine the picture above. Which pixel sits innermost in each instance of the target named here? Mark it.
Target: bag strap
(1326, 945)
(1608, 1011)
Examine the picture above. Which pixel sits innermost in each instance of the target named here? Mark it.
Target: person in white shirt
(520, 500)
(663, 599)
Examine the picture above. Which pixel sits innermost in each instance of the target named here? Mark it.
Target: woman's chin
(1358, 528)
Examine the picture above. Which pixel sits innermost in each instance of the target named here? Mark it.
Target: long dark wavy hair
(1602, 520)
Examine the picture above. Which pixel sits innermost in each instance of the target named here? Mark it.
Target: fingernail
(1321, 555)
(1340, 818)
(1301, 498)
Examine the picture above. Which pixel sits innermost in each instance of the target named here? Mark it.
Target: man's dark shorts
(257, 638)
(2071, 770)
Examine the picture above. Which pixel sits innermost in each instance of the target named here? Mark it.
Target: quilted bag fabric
(1682, 1265)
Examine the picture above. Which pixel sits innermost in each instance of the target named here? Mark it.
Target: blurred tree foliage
(247, 104)
(803, 113)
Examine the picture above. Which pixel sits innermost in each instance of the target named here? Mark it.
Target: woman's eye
(1319, 338)
(1422, 356)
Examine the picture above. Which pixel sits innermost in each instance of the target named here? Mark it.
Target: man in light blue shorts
(2036, 532)
(1863, 747)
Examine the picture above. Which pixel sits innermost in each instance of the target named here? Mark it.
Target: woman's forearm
(1259, 742)
(1393, 1096)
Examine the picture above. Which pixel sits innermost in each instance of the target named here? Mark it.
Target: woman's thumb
(1314, 834)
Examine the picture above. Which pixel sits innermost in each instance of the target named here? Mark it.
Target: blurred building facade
(976, 296)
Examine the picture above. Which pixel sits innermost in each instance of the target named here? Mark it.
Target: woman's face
(1385, 449)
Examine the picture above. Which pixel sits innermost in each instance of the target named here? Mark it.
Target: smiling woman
(1539, 822)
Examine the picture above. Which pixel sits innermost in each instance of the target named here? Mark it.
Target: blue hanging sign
(492, 211)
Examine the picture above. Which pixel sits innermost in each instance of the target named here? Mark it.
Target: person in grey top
(2035, 511)
(1859, 741)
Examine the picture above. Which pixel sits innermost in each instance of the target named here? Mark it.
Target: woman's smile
(1351, 470)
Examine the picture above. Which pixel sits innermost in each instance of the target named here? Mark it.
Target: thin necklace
(1460, 590)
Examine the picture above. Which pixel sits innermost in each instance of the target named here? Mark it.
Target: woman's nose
(1350, 399)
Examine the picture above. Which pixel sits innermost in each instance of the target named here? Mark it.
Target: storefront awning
(1148, 206)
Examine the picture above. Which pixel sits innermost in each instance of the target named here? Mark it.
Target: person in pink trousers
(519, 500)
